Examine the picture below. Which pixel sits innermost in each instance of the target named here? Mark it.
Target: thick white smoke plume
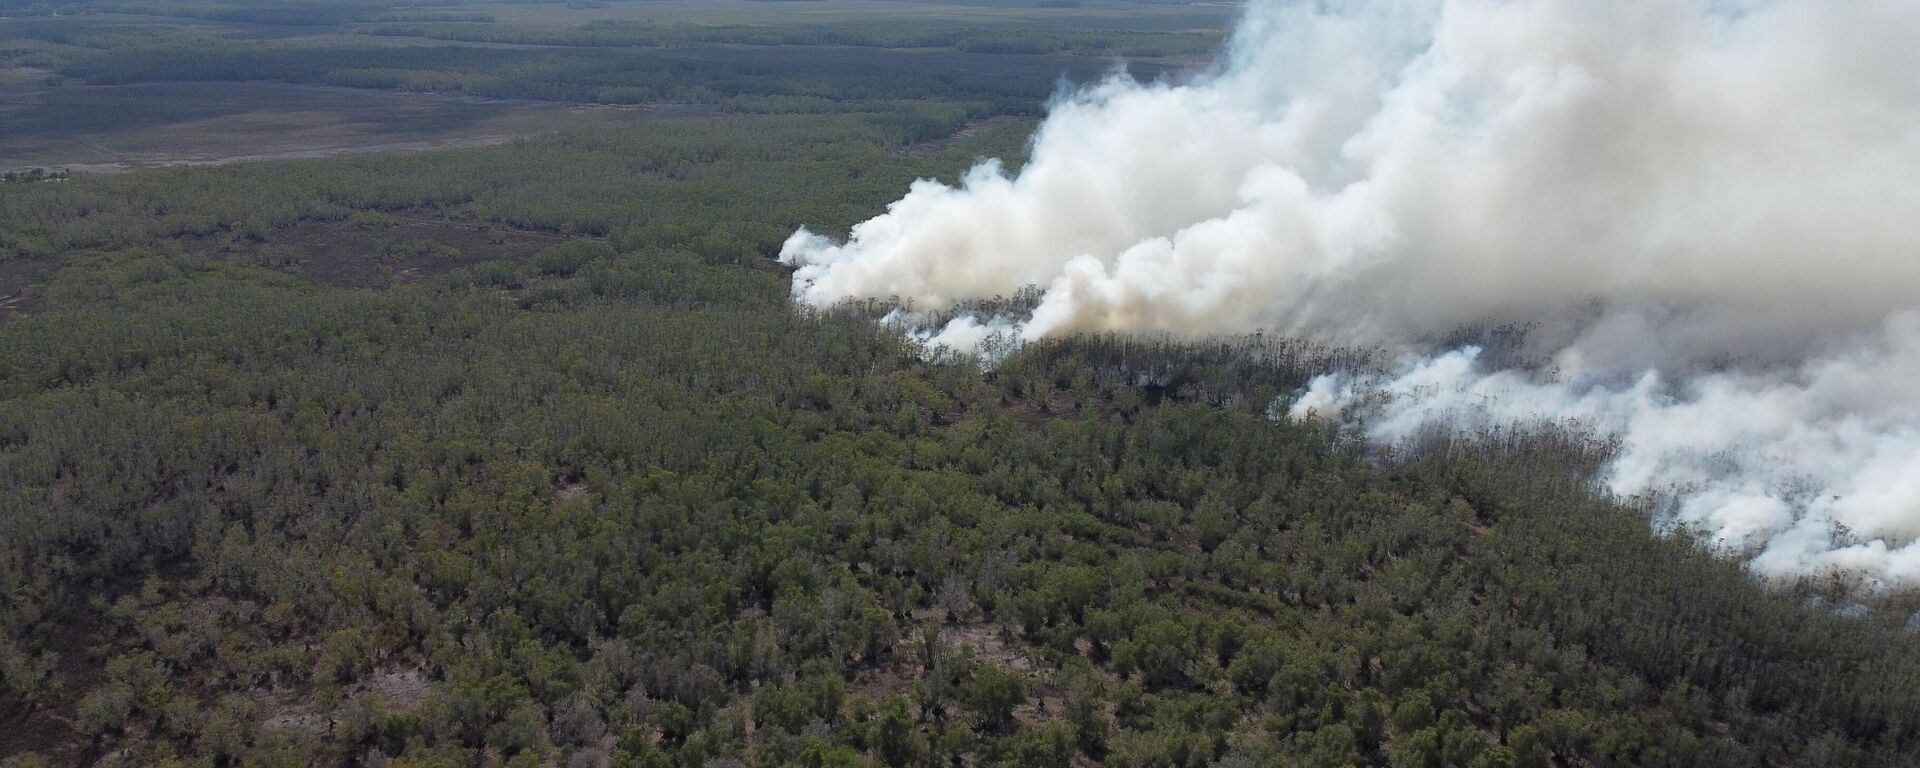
(1805, 469)
(1705, 210)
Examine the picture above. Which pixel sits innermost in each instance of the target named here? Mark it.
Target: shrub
(567, 258)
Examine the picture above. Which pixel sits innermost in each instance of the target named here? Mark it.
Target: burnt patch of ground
(45, 728)
(19, 281)
(366, 251)
(358, 253)
(970, 130)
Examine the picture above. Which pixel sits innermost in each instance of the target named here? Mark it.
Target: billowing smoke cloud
(1705, 210)
(1805, 469)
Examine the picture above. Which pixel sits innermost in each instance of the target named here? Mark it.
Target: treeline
(822, 79)
(274, 12)
(710, 183)
(891, 34)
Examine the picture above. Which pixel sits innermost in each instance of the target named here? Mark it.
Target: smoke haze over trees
(1692, 210)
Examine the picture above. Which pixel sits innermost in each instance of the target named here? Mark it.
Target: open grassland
(59, 125)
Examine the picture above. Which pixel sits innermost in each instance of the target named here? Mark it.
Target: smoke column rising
(1703, 209)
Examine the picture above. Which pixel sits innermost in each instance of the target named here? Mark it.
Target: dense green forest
(284, 482)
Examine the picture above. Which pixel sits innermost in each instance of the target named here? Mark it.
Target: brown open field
(59, 124)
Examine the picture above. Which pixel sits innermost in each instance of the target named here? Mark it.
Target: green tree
(991, 694)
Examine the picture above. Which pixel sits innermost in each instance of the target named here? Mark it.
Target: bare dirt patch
(403, 688)
(290, 711)
(991, 642)
(569, 492)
